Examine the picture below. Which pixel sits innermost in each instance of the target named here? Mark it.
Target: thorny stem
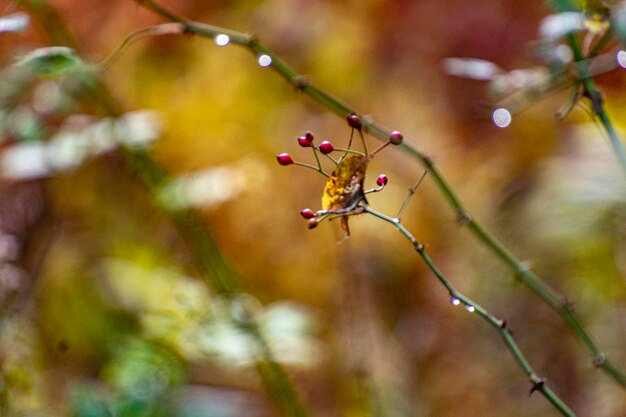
(538, 383)
(213, 267)
(549, 295)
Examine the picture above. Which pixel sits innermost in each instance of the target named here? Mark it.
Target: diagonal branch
(538, 383)
(543, 290)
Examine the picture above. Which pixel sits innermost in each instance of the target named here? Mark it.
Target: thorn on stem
(428, 161)
(599, 360)
(300, 82)
(463, 218)
(567, 305)
(538, 384)
(187, 30)
(596, 101)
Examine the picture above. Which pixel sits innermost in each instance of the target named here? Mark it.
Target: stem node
(538, 384)
(599, 360)
(463, 217)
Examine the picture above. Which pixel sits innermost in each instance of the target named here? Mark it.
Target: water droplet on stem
(265, 60)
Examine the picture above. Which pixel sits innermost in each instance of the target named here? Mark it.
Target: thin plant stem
(521, 270)
(349, 145)
(317, 158)
(211, 264)
(538, 383)
(347, 151)
(313, 167)
(334, 161)
(365, 143)
(412, 190)
(380, 148)
(156, 30)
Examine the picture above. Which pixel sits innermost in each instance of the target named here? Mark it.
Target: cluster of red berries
(325, 147)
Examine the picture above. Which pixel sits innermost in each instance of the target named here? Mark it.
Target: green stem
(538, 286)
(592, 92)
(538, 383)
(597, 104)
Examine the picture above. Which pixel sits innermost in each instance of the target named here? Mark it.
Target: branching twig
(548, 294)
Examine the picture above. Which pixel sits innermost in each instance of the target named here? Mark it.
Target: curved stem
(156, 30)
(538, 383)
(531, 280)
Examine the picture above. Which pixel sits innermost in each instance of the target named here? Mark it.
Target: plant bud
(382, 180)
(396, 137)
(326, 147)
(284, 159)
(304, 142)
(307, 213)
(354, 121)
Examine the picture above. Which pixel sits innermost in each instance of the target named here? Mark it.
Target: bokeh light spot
(621, 58)
(502, 117)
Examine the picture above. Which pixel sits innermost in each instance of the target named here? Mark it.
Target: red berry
(284, 159)
(326, 147)
(312, 223)
(354, 121)
(396, 137)
(382, 180)
(304, 142)
(309, 136)
(307, 213)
